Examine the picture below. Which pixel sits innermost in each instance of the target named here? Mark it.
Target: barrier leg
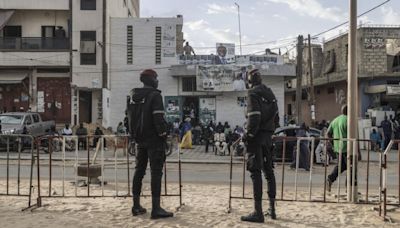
(368, 159)
(297, 168)
(283, 166)
(230, 184)
(8, 165)
(325, 167)
(19, 165)
(311, 168)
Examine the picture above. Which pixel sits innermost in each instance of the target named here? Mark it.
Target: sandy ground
(205, 206)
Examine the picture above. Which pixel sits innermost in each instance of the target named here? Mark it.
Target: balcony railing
(239, 59)
(33, 43)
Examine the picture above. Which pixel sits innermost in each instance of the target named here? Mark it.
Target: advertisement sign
(225, 53)
(169, 41)
(221, 78)
(207, 111)
(172, 108)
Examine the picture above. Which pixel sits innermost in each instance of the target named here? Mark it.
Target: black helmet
(254, 77)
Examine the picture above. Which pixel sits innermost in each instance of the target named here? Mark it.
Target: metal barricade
(85, 165)
(14, 145)
(383, 180)
(310, 195)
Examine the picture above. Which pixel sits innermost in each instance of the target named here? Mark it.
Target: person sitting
(376, 140)
(82, 132)
(66, 130)
(220, 144)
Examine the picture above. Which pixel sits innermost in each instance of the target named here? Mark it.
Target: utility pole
(240, 31)
(299, 73)
(312, 97)
(352, 104)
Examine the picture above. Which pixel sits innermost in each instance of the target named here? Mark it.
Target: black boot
(157, 211)
(271, 209)
(137, 209)
(256, 215)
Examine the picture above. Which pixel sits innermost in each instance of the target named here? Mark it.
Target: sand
(205, 206)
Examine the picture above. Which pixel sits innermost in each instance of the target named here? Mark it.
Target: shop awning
(12, 78)
(5, 15)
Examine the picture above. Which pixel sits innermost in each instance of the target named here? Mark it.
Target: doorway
(190, 108)
(85, 106)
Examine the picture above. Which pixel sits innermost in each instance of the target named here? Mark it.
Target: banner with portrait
(172, 108)
(207, 110)
(225, 53)
(222, 78)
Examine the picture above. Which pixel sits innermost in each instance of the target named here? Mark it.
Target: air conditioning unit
(88, 47)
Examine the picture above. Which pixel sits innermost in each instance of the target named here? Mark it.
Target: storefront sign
(207, 109)
(221, 78)
(393, 90)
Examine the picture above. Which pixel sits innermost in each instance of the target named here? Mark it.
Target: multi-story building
(157, 43)
(378, 64)
(53, 56)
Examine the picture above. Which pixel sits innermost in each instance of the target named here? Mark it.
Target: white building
(54, 56)
(157, 43)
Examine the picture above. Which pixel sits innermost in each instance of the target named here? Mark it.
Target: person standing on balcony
(188, 50)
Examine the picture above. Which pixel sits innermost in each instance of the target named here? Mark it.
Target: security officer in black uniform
(262, 112)
(151, 142)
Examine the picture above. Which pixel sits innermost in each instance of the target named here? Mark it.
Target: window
(88, 48)
(28, 120)
(158, 45)
(12, 31)
(331, 90)
(36, 118)
(88, 4)
(189, 84)
(129, 45)
(289, 109)
(48, 31)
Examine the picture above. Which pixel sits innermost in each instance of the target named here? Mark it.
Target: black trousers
(260, 158)
(335, 172)
(156, 156)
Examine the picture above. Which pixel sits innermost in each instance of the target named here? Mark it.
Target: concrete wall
(125, 76)
(35, 4)
(88, 76)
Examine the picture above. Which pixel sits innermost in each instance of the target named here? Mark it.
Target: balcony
(33, 44)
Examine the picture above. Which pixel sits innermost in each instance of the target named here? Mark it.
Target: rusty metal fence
(312, 196)
(384, 189)
(93, 166)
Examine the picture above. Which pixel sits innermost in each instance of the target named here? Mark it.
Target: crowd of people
(219, 137)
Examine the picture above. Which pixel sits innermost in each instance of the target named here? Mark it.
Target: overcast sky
(207, 22)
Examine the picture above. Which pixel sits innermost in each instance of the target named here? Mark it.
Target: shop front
(200, 109)
(14, 92)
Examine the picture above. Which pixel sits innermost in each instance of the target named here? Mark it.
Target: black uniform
(260, 127)
(151, 143)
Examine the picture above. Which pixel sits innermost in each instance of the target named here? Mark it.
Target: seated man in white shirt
(220, 143)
